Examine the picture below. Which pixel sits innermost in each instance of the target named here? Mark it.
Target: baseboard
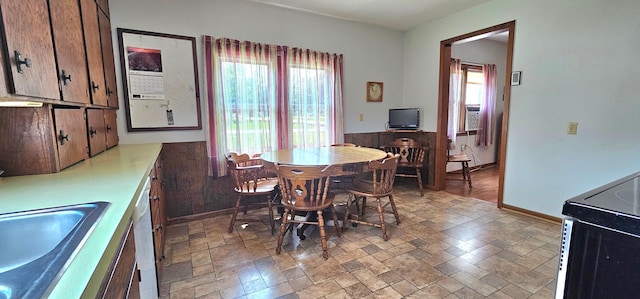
(200, 216)
(531, 213)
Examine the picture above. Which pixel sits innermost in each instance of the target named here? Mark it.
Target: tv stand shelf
(403, 131)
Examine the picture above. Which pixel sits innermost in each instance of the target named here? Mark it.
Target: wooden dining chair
(411, 162)
(306, 189)
(381, 186)
(250, 180)
(464, 160)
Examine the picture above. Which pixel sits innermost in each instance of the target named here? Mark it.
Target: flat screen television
(404, 118)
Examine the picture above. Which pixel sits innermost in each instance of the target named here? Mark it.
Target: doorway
(443, 104)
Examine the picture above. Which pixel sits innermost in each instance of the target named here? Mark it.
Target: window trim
(462, 114)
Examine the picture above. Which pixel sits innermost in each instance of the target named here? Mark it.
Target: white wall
(579, 63)
(370, 53)
(482, 51)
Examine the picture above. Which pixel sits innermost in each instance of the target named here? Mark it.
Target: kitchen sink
(36, 246)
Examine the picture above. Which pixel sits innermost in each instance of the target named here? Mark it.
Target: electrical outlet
(572, 128)
(463, 147)
(361, 116)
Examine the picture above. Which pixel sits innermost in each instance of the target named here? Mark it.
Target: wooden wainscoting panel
(188, 188)
(190, 191)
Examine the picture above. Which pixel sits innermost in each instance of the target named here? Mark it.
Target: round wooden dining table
(318, 156)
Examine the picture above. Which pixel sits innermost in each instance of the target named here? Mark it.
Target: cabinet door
(110, 119)
(94, 52)
(71, 135)
(107, 60)
(69, 45)
(29, 47)
(104, 6)
(97, 131)
(119, 283)
(28, 142)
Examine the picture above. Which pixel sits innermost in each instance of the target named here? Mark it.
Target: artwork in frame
(374, 91)
(515, 78)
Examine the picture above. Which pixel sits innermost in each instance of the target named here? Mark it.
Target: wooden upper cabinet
(107, 60)
(104, 6)
(94, 52)
(29, 46)
(71, 135)
(111, 127)
(97, 131)
(28, 141)
(69, 45)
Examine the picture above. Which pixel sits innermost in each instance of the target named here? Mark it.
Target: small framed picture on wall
(374, 91)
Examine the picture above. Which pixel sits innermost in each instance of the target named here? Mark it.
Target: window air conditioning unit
(472, 118)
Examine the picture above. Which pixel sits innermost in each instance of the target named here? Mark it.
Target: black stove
(600, 248)
(615, 205)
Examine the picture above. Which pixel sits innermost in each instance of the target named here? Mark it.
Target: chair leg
(419, 176)
(323, 235)
(235, 214)
(394, 209)
(355, 199)
(246, 207)
(364, 206)
(283, 230)
(271, 221)
(381, 217)
(336, 225)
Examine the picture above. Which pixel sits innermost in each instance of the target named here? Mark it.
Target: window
(309, 107)
(265, 97)
(472, 93)
(249, 107)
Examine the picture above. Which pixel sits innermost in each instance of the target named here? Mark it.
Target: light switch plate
(572, 128)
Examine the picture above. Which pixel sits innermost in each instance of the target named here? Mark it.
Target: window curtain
(265, 97)
(486, 124)
(313, 100)
(455, 92)
(242, 76)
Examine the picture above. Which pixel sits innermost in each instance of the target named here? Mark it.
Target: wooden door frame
(443, 104)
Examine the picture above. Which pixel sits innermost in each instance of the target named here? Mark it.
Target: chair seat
(330, 197)
(365, 188)
(264, 187)
(458, 158)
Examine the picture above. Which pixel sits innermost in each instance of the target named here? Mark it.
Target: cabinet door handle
(65, 77)
(19, 61)
(108, 128)
(92, 131)
(62, 137)
(94, 86)
(109, 92)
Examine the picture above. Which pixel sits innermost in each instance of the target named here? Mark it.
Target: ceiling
(399, 15)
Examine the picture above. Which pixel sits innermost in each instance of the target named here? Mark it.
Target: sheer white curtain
(486, 124)
(314, 98)
(455, 92)
(241, 97)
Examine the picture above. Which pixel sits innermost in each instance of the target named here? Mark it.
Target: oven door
(597, 262)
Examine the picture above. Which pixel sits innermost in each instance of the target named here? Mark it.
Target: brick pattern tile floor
(446, 246)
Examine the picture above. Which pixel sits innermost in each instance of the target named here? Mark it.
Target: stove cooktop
(615, 205)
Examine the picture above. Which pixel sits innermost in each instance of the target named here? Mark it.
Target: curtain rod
(472, 63)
